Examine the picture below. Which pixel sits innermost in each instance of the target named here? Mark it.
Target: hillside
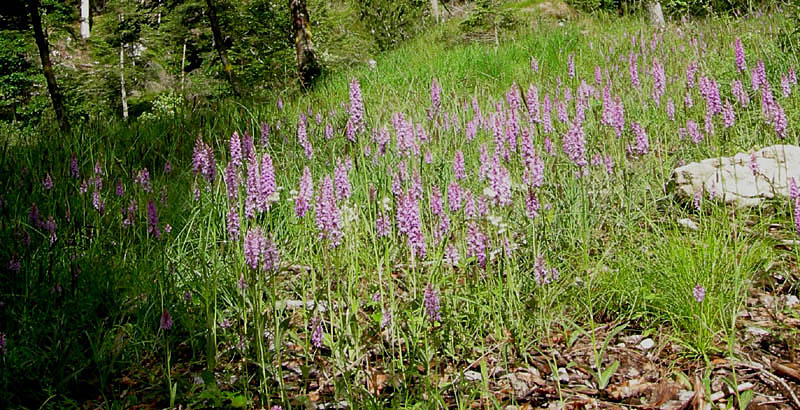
(481, 218)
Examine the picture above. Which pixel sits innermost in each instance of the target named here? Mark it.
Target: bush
(165, 105)
(594, 5)
(488, 15)
(392, 21)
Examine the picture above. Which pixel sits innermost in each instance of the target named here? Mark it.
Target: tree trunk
(47, 66)
(307, 65)
(435, 9)
(183, 64)
(655, 14)
(219, 45)
(123, 94)
(84, 19)
(122, 82)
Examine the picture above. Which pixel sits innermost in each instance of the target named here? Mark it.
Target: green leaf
(208, 380)
(744, 399)
(239, 401)
(573, 337)
(605, 376)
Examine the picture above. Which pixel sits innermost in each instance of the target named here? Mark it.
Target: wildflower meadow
(467, 224)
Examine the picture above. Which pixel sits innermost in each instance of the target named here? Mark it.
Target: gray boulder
(744, 179)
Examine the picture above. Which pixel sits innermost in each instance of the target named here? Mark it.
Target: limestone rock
(733, 180)
(654, 13)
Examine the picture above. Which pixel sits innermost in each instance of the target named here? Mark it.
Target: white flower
(493, 253)
(387, 204)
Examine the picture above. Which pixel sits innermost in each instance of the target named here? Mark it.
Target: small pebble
(472, 376)
(688, 224)
(647, 344)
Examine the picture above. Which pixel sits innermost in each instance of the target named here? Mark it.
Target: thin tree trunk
(85, 19)
(123, 94)
(122, 82)
(655, 13)
(307, 65)
(47, 66)
(218, 44)
(183, 64)
(435, 9)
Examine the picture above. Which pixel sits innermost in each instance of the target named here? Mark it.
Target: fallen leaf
(665, 392)
(631, 388)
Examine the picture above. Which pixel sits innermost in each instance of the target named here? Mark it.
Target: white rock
(472, 376)
(732, 179)
(298, 304)
(790, 300)
(757, 331)
(688, 223)
(632, 339)
(563, 376)
(647, 344)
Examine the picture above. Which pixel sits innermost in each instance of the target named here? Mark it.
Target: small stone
(647, 344)
(688, 223)
(682, 402)
(790, 300)
(767, 300)
(472, 376)
(757, 331)
(519, 385)
(632, 339)
(563, 376)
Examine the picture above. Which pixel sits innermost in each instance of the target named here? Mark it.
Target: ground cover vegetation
(471, 220)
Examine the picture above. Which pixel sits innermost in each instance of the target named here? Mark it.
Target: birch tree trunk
(655, 14)
(122, 81)
(47, 66)
(435, 9)
(85, 19)
(307, 65)
(183, 65)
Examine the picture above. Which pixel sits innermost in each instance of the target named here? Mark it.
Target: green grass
(614, 239)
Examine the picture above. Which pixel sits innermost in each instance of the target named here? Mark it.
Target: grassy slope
(613, 238)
